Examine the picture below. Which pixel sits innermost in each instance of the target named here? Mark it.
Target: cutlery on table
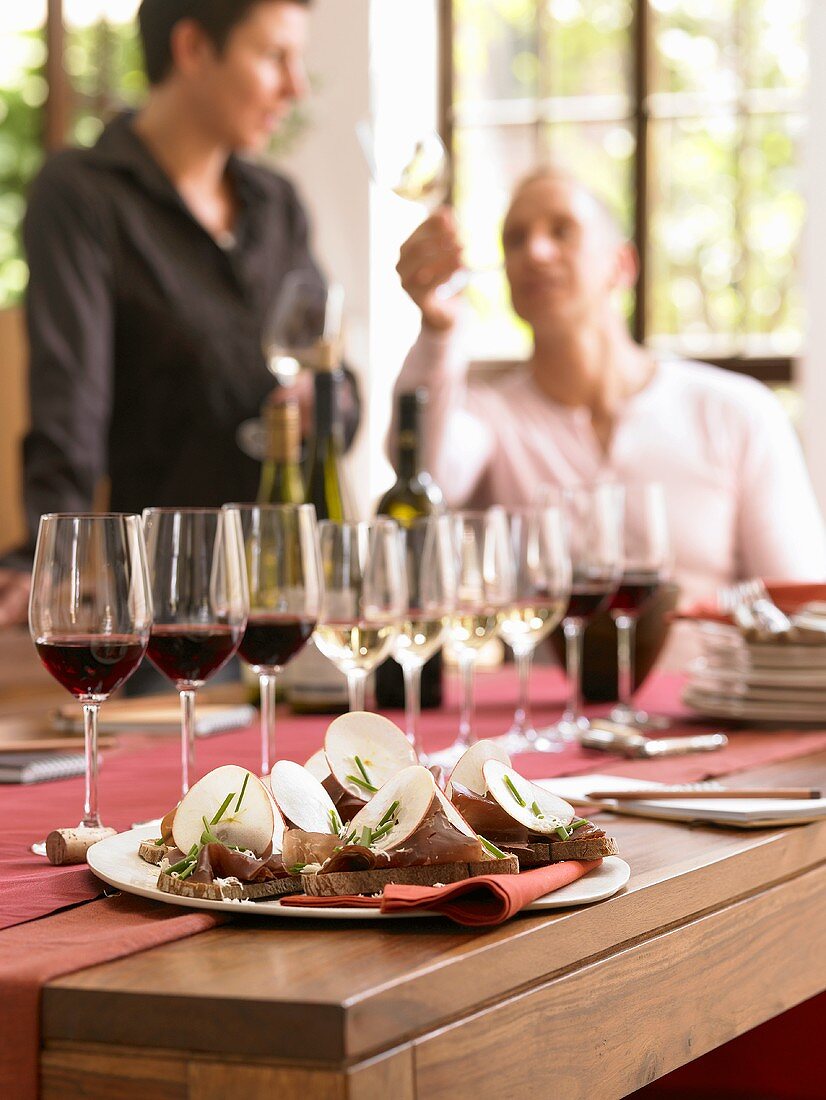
(613, 737)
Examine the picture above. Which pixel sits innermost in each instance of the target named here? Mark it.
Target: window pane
(489, 161)
(772, 221)
(494, 50)
(601, 154)
(22, 95)
(776, 43)
(693, 251)
(588, 46)
(693, 46)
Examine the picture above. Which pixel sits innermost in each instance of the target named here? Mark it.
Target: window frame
(778, 370)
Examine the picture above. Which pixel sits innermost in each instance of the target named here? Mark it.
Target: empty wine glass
(90, 615)
(365, 597)
(593, 527)
(484, 588)
(647, 566)
(542, 590)
(431, 592)
(200, 599)
(284, 581)
(306, 312)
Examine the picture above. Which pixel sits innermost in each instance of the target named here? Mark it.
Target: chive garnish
(494, 851)
(366, 834)
(562, 833)
(514, 791)
(241, 795)
(363, 770)
(535, 810)
(188, 871)
(335, 822)
(179, 866)
(159, 841)
(223, 808)
(383, 831)
(296, 868)
(360, 783)
(388, 814)
(578, 822)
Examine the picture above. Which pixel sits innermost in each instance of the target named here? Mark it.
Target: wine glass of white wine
(543, 588)
(365, 597)
(431, 594)
(484, 589)
(306, 312)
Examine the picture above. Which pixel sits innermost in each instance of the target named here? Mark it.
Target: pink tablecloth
(141, 783)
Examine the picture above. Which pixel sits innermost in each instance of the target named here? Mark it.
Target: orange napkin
(477, 902)
(789, 596)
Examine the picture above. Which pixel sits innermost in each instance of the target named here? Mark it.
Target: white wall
(371, 59)
(812, 370)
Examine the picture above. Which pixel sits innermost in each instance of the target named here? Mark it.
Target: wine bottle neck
(409, 458)
(327, 416)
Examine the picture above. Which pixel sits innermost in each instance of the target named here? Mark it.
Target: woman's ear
(190, 47)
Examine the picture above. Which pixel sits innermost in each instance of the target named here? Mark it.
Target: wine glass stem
(355, 688)
(91, 817)
(412, 704)
(522, 719)
(467, 664)
(266, 683)
(187, 738)
(626, 625)
(573, 654)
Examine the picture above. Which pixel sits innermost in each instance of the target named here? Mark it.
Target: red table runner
(140, 783)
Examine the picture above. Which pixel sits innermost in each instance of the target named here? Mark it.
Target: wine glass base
(517, 741)
(446, 758)
(39, 848)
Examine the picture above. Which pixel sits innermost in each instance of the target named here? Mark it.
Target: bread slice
(541, 854)
(340, 883)
(150, 852)
(230, 889)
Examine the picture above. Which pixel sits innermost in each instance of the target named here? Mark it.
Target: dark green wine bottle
(414, 495)
(281, 481)
(325, 483)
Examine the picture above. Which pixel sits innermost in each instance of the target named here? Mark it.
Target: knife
(612, 737)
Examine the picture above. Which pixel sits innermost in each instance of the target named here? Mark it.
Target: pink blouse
(740, 501)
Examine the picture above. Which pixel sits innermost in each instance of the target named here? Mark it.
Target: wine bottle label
(313, 682)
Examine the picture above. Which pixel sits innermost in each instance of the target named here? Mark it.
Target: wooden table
(717, 931)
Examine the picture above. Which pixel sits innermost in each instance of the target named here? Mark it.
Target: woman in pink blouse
(590, 403)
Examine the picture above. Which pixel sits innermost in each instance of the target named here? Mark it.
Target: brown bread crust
(341, 883)
(231, 889)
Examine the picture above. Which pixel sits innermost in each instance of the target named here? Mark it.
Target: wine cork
(71, 845)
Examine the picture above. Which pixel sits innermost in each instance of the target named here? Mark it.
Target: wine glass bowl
(90, 614)
(365, 597)
(284, 582)
(200, 598)
(305, 313)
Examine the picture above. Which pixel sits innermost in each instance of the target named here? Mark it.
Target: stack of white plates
(774, 681)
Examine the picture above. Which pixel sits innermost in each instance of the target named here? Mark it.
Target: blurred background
(696, 121)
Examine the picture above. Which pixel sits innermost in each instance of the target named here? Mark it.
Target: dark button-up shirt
(145, 333)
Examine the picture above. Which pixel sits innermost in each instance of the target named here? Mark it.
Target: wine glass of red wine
(594, 530)
(647, 566)
(200, 600)
(90, 615)
(284, 580)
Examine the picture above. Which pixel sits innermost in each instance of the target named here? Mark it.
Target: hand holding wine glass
(365, 597)
(90, 615)
(200, 598)
(284, 581)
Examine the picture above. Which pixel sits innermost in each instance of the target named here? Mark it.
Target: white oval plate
(116, 861)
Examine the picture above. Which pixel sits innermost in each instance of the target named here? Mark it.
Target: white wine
(473, 629)
(356, 645)
(419, 639)
(526, 624)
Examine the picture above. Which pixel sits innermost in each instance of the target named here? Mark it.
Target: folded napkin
(477, 902)
(789, 596)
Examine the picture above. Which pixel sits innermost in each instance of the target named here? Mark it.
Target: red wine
(587, 598)
(635, 590)
(271, 641)
(91, 664)
(191, 652)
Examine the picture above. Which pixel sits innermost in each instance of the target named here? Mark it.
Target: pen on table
(713, 792)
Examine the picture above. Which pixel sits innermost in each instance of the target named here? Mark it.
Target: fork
(752, 608)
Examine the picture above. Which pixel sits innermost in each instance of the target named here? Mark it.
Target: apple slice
(249, 826)
(365, 750)
(456, 819)
(521, 799)
(317, 765)
(467, 771)
(301, 798)
(413, 790)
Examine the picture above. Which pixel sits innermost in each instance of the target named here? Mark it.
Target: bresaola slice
(249, 826)
(467, 771)
(521, 799)
(364, 751)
